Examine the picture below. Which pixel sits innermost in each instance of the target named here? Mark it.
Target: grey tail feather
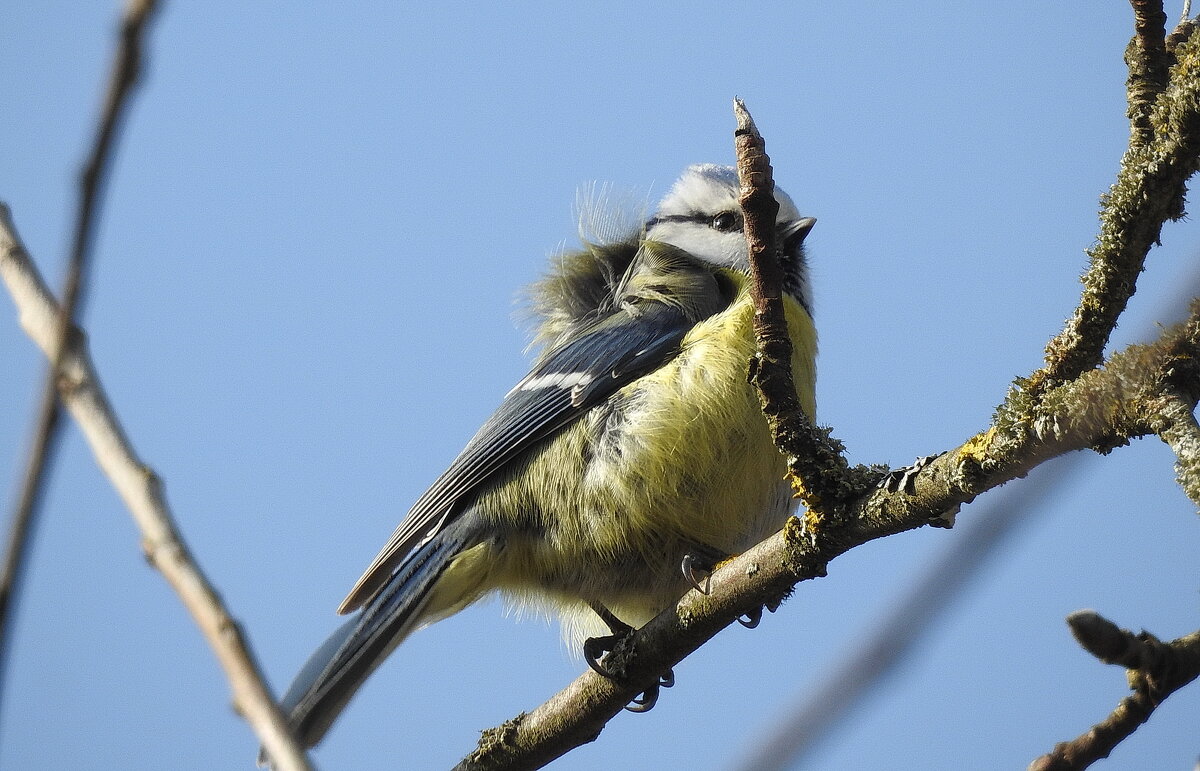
(337, 669)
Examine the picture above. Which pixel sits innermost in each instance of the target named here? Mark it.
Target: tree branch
(893, 639)
(1155, 670)
(819, 471)
(884, 648)
(1182, 433)
(1109, 402)
(124, 77)
(1102, 409)
(1149, 190)
(1148, 63)
(142, 491)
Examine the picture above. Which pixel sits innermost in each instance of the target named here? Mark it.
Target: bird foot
(905, 479)
(751, 619)
(596, 651)
(646, 700)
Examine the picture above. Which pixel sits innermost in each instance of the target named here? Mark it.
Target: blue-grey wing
(565, 384)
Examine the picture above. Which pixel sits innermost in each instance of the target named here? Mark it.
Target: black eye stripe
(676, 218)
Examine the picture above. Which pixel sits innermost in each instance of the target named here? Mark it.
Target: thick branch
(1102, 409)
(141, 490)
(1149, 190)
(1148, 62)
(1155, 670)
(1182, 433)
(1173, 418)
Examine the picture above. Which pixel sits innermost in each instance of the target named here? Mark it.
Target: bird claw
(905, 479)
(594, 649)
(645, 701)
(688, 566)
(751, 619)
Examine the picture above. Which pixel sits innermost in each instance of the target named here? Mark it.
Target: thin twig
(141, 490)
(126, 68)
(823, 479)
(1154, 670)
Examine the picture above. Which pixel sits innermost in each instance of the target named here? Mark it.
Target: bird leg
(594, 648)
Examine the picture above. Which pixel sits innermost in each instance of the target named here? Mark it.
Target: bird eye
(724, 221)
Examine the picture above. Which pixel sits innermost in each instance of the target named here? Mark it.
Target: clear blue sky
(303, 305)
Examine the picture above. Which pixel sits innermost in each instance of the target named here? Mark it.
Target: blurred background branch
(127, 66)
(72, 379)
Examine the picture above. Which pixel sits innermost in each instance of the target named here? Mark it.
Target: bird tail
(439, 578)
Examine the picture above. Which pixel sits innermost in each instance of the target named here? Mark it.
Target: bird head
(701, 215)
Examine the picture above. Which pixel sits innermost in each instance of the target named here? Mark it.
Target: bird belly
(678, 462)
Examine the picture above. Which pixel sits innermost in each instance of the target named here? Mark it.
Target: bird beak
(791, 234)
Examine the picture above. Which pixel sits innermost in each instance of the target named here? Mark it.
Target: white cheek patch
(557, 380)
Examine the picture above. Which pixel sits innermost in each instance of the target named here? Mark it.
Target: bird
(633, 453)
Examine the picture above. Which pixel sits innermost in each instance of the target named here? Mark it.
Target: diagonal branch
(790, 741)
(1103, 405)
(1149, 190)
(1154, 669)
(126, 68)
(141, 490)
(844, 688)
(1102, 408)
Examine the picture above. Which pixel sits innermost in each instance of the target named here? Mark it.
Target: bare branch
(1182, 433)
(1149, 190)
(141, 490)
(126, 67)
(894, 638)
(887, 645)
(1155, 670)
(820, 473)
(1101, 409)
(1148, 62)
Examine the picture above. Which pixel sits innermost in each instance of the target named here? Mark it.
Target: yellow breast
(698, 459)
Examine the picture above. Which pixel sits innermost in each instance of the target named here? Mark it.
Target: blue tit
(635, 445)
